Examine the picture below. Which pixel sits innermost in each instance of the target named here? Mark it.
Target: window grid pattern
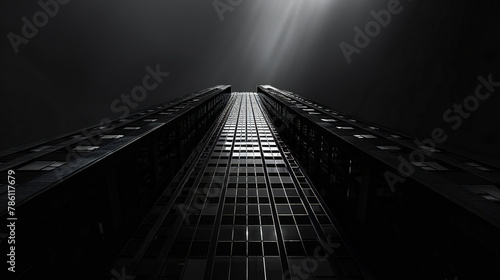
(245, 212)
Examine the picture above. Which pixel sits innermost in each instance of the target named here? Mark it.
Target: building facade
(414, 210)
(250, 185)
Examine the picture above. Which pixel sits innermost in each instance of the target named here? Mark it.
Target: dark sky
(427, 58)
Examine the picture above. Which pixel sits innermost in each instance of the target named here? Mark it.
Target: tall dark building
(242, 185)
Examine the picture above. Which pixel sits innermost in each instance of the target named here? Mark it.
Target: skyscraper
(414, 209)
(245, 185)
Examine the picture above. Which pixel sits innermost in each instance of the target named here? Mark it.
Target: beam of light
(275, 32)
